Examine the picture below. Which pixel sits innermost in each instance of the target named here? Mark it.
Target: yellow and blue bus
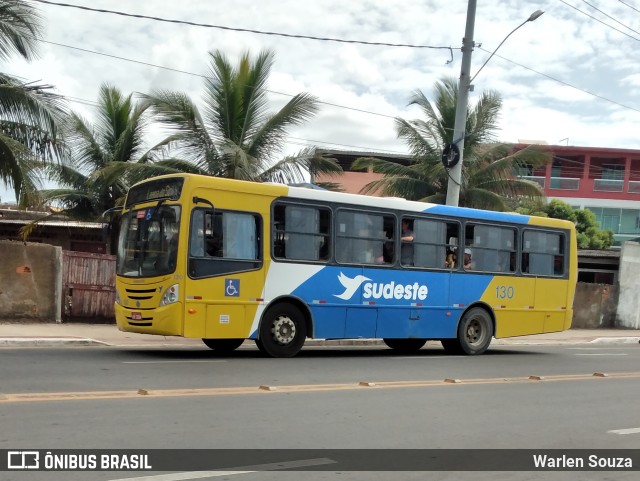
(226, 261)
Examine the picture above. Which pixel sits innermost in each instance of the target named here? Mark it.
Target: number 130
(505, 292)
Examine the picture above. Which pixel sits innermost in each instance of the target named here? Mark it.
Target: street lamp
(454, 153)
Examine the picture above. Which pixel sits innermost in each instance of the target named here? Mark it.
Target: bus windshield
(148, 244)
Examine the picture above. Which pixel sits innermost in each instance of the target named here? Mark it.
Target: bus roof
(321, 195)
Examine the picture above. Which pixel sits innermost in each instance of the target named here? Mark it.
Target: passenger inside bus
(406, 247)
(467, 259)
(450, 261)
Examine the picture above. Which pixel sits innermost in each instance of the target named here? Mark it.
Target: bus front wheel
(282, 331)
(223, 346)
(474, 333)
(405, 345)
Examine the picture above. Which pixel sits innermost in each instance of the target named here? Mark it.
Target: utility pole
(455, 174)
(455, 151)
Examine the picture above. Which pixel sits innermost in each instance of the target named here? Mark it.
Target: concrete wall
(30, 281)
(628, 314)
(594, 306)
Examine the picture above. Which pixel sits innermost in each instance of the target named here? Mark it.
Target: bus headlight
(170, 295)
(118, 300)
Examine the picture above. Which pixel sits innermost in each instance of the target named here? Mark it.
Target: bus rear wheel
(223, 346)
(405, 345)
(282, 331)
(474, 333)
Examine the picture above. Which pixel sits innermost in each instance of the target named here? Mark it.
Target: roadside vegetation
(231, 133)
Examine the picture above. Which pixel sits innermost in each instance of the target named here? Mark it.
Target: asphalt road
(326, 398)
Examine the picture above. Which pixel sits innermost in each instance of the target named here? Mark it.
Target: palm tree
(29, 113)
(489, 175)
(93, 179)
(20, 29)
(234, 135)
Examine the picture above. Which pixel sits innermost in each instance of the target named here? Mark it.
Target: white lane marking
(601, 354)
(586, 348)
(625, 431)
(169, 362)
(185, 476)
(425, 357)
(246, 470)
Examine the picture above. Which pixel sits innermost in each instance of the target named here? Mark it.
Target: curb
(48, 341)
(616, 340)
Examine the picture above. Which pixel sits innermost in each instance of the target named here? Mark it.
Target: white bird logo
(350, 285)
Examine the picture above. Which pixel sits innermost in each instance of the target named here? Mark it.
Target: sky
(568, 78)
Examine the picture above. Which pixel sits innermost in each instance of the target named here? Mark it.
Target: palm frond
(20, 29)
(294, 168)
(483, 199)
(269, 138)
(18, 169)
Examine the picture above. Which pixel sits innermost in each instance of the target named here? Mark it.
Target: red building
(603, 180)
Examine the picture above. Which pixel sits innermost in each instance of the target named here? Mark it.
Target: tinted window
(364, 238)
(301, 232)
(543, 253)
(222, 242)
(490, 248)
(427, 243)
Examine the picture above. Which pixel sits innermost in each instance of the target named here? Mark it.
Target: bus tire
(451, 346)
(223, 346)
(405, 345)
(283, 331)
(474, 333)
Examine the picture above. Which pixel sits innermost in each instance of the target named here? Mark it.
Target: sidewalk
(53, 334)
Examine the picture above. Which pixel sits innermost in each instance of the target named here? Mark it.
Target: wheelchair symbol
(232, 289)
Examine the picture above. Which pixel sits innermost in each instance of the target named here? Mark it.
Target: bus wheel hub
(284, 330)
(474, 332)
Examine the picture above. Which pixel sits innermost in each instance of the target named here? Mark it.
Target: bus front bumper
(164, 321)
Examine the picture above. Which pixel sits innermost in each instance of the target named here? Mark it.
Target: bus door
(544, 255)
(224, 271)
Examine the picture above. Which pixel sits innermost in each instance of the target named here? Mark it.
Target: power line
(630, 6)
(609, 16)
(202, 76)
(329, 103)
(312, 142)
(236, 29)
(600, 21)
(563, 82)
(333, 104)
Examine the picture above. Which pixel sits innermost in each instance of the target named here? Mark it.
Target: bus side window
(300, 232)
(492, 248)
(543, 253)
(223, 242)
(361, 237)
